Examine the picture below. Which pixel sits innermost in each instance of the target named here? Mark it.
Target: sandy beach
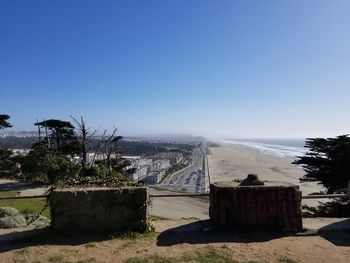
(230, 162)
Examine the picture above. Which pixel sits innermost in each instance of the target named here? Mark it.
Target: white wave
(284, 151)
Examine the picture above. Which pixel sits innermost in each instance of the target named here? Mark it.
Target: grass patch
(91, 244)
(287, 260)
(156, 218)
(131, 235)
(68, 251)
(151, 259)
(64, 258)
(57, 258)
(23, 251)
(8, 193)
(206, 255)
(31, 205)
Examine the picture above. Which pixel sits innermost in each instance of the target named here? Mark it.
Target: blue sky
(215, 68)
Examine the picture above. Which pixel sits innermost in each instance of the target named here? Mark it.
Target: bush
(95, 176)
(46, 166)
(40, 221)
(8, 211)
(12, 218)
(336, 208)
(13, 221)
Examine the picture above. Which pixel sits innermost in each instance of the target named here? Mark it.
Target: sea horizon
(284, 148)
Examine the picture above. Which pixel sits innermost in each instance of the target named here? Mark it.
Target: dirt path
(24, 189)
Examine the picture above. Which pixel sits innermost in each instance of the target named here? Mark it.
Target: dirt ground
(174, 238)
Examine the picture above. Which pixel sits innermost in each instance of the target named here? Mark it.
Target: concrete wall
(274, 206)
(99, 208)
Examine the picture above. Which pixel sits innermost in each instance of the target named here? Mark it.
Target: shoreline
(229, 162)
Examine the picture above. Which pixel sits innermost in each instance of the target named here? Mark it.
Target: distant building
(154, 177)
(98, 157)
(141, 166)
(138, 161)
(157, 171)
(20, 151)
(160, 164)
(139, 174)
(174, 157)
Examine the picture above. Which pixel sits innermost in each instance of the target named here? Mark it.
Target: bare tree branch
(84, 138)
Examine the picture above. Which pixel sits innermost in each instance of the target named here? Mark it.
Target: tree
(109, 146)
(4, 121)
(120, 164)
(85, 137)
(327, 162)
(8, 166)
(46, 165)
(61, 133)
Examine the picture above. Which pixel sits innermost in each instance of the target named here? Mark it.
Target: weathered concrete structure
(110, 209)
(274, 205)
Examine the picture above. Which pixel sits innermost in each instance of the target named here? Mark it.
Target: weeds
(206, 255)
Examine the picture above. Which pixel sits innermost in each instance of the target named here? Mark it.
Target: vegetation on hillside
(53, 153)
(51, 161)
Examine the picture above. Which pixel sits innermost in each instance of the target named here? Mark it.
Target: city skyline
(249, 69)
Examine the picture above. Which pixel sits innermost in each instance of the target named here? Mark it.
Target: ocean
(285, 148)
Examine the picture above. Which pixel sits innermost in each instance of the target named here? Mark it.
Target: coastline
(229, 162)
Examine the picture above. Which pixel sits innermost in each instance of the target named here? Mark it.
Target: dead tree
(107, 145)
(85, 137)
(97, 149)
(109, 148)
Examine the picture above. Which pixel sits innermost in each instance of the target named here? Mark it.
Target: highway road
(191, 178)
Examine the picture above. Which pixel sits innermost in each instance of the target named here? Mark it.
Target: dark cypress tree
(7, 164)
(61, 136)
(328, 162)
(4, 121)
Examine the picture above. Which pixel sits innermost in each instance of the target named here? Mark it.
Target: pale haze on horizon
(249, 69)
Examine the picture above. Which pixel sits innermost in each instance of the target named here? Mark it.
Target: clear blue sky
(217, 68)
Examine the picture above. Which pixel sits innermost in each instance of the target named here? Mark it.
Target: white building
(174, 157)
(139, 174)
(141, 166)
(154, 177)
(161, 164)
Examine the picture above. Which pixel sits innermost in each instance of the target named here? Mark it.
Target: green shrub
(8, 211)
(95, 176)
(13, 221)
